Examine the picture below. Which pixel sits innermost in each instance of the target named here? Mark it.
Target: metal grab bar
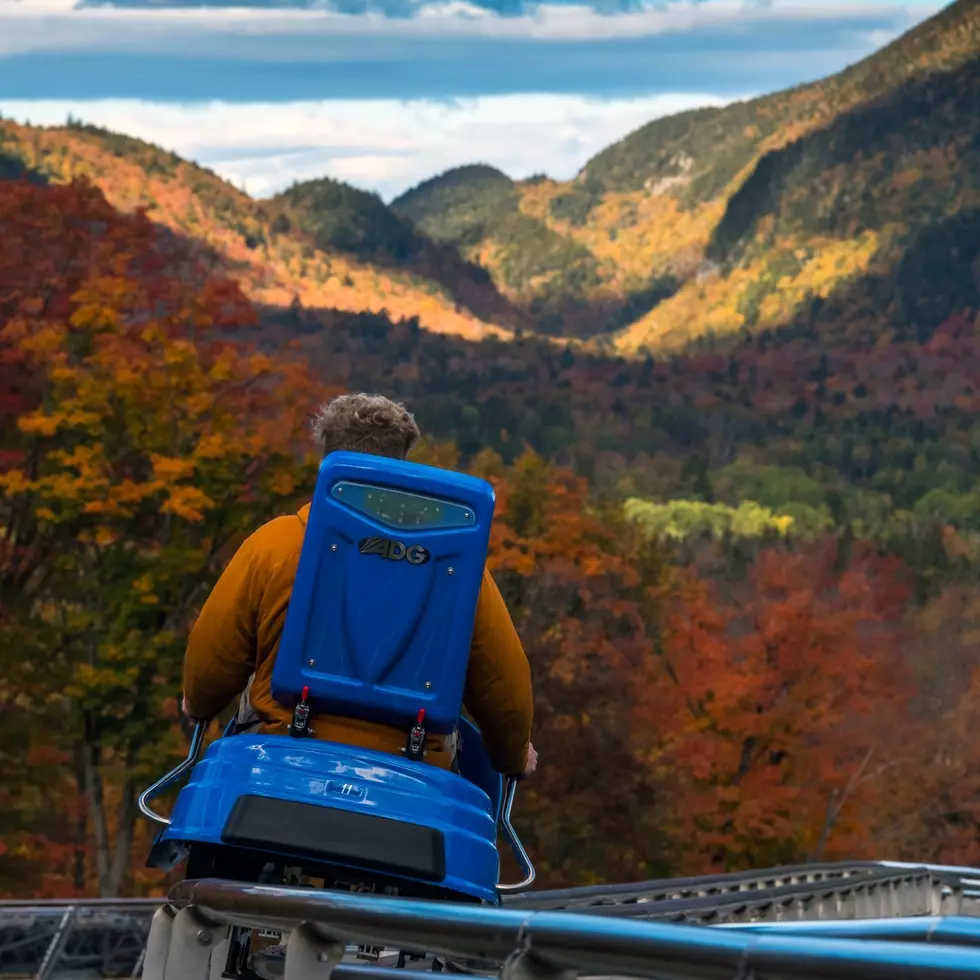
(193, 753)
(510, 788)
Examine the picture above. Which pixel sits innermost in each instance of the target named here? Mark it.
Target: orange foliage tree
(147, 443)
(579, 585)
(775, 705)
(930, 811)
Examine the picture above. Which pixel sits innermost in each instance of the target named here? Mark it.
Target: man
(234, 642)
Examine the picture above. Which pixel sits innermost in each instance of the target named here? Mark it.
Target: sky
(386, 93)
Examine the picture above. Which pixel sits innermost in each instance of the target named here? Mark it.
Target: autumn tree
(154, 444)
(930, 811)
(769, 697)
(578, 582)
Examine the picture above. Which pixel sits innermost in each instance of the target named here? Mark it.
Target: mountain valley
(849, 205)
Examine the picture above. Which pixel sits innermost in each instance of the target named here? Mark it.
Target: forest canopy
(746, 582)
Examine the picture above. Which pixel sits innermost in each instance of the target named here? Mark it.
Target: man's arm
(221, 650)
(498, 683)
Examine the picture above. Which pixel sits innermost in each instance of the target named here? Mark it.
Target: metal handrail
(527, 868)
(193, 753)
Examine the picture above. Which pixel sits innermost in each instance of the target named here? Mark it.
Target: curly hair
(365, 423)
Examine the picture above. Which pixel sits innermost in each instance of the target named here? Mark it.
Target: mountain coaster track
(47, 939)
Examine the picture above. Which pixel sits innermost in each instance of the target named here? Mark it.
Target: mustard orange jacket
(238, 631)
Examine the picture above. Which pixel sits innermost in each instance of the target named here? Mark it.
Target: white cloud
(448, 48)
(322, 34)
(386, 146)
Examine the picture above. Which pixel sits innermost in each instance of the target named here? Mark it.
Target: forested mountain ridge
(249, 238)
(336, 217)
(848, 204)
(653, 221)
(482, 212)
(862, 227)
(719, 144)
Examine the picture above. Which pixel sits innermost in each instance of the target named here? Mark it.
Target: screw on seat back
(381, 615)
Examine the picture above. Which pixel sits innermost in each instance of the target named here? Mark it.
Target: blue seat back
(381, 615)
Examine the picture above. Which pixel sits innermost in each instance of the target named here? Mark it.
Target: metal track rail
(523, 943)
(884, 893)
(43, 938)
(948, 931)
(875, 892)
(706, 886)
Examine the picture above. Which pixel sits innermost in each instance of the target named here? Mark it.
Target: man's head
(365, 424)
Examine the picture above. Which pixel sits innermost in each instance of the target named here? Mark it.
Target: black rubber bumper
(330, 835)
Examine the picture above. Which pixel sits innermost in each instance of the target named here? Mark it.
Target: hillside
(251, 239)
(336, 217)
(848, 206)
(865, 191)
(478, 210)
(561, 285)
(705, 150)
(658, 221)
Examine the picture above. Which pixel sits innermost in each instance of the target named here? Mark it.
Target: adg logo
(393, 550)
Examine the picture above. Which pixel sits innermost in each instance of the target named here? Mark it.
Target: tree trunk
(838, 798)
(829, 820)
(81, 826)
(125, 826)
(96, 803)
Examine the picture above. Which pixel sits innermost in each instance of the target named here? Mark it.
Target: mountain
(336, 217)
(559, 282)
(718, 220)
(480, 211)
(845, 208)
(841, 183)
(276, 253)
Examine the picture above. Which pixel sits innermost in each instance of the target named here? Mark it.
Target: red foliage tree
(142, 445)
(767, 702)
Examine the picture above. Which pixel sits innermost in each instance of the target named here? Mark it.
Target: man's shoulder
(278, 538)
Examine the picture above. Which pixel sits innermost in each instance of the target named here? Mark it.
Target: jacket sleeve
(498, 683)
(222, 648)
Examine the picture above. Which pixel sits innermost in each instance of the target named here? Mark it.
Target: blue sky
(385, 93)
